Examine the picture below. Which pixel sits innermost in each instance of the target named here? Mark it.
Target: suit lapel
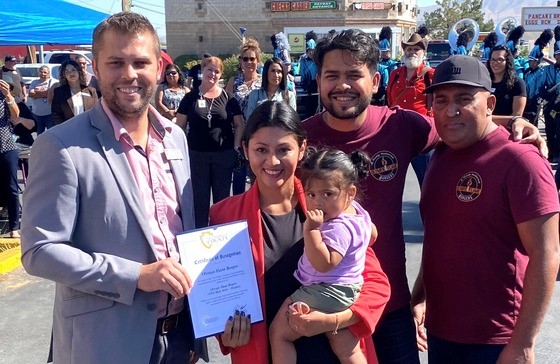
(118, 163)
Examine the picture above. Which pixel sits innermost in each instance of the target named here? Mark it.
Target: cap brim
(431, 89)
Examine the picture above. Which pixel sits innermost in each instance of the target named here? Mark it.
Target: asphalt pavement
(26, 303)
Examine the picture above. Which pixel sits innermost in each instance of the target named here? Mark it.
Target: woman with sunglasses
(239, 87)
(509, 89)
(274, 87)
(215, 125)
(170, 92)
(72, 96)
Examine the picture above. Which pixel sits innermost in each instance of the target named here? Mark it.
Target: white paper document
(220, 262)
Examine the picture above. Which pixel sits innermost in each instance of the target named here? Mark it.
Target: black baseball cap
(10, 58)
(461, 70)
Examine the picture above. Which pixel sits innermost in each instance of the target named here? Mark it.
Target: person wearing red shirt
(406, 86)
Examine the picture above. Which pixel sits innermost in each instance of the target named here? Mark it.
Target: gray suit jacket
(85, 227)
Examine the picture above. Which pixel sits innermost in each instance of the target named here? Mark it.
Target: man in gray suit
(107, 193)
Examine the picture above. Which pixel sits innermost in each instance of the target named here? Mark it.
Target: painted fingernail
(242, 313)
(249, 317)
(237, 312)
(230, 318)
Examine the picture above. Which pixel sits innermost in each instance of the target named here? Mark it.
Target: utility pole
(126, 5)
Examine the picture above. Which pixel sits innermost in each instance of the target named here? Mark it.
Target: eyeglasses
(247, 59)
(497, 60)
(172, 73)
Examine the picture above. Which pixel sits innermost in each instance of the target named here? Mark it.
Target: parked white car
(61, 56)
(30, 71)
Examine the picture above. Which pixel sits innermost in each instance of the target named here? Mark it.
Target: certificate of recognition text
(220, 262)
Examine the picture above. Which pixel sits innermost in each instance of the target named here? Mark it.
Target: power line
(90, 5)
(149, 4)
(223, 19)
(153, 11)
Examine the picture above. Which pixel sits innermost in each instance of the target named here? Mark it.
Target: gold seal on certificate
(220, 262)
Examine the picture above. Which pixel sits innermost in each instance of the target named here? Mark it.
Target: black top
(283, 236)
(219, 135)
(504, 96)
(196, 74)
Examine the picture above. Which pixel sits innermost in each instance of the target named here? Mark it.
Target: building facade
(195, 27)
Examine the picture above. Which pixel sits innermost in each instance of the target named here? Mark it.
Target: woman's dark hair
(274, 114)
(510, 76)
(283, 85)
(62, 72)
(174, 67)
(323, 164)
(355, 41)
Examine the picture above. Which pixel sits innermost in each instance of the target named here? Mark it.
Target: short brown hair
(124, 23)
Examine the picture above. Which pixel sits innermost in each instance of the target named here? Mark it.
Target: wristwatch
(11, 102)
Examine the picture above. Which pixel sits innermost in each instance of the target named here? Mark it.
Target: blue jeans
(9, 188)
(44, 122)
(443, 351)
(210, 172)
(395, 338)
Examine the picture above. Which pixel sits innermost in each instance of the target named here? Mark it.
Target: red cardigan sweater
(369, 305)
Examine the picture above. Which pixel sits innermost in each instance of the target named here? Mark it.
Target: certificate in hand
(220, 262)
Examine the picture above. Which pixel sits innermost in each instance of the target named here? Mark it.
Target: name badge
(201, 103)
(173, 154)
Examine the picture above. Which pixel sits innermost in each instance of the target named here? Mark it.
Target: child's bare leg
(346, 346)
(282, 337)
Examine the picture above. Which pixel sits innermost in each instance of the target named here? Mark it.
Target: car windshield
(437, 51)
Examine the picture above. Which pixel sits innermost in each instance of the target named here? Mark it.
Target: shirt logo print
(469, 187)
(384, 166)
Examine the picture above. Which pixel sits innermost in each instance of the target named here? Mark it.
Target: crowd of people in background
(242, 145)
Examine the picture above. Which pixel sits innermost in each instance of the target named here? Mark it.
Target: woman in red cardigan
(274, 142)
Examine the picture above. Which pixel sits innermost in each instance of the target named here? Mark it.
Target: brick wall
(195, 26)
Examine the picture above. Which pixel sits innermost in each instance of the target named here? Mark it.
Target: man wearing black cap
(12, 76)
(490, 260)
(406, 86)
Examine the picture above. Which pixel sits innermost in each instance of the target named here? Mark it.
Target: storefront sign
(539, 19)
(302, 5)
(323, 5)
(369, 6)
(280, 6)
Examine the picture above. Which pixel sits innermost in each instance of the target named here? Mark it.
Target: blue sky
(152, 9)
(155, 9)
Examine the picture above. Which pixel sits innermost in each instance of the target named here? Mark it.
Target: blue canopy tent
(41, 22)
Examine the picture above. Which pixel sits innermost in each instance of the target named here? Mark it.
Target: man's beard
(412, 62)
(350, 113)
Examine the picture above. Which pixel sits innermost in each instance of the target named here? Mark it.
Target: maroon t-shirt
(474, 261)
(392, 137)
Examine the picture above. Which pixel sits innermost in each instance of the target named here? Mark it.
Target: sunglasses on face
(247, 59)
(172, 73)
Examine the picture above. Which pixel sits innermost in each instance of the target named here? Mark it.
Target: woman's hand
(237, 331)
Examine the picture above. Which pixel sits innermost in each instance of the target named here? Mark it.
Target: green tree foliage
(449, 12)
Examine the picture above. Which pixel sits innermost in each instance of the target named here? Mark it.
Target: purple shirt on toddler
(348, 234)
